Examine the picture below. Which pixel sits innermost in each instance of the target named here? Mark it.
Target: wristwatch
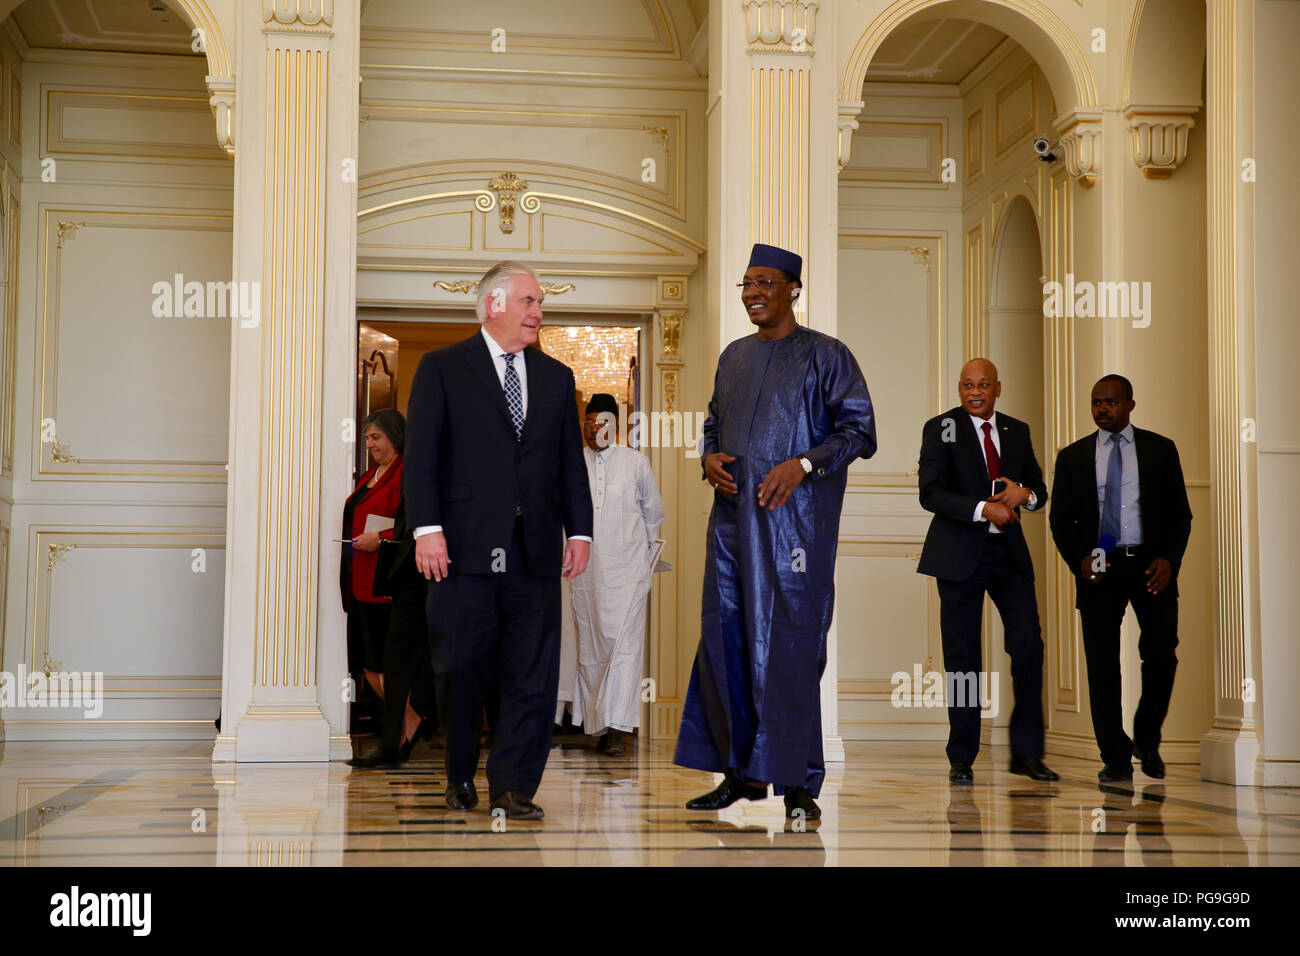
(807, 465)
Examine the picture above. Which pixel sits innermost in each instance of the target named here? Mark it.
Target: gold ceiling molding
(471, 288)
(505, 186)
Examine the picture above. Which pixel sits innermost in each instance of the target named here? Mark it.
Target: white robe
(609, 600)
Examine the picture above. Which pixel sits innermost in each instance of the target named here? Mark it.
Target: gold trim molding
(471, 287)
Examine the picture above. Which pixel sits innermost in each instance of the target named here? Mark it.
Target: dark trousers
(367, 628)
(1101, 607)
(406, 659)
(505, 626)
(961, 605)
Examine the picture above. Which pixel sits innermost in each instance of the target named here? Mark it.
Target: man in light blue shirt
(1121, 520)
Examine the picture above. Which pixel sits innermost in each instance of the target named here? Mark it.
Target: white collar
(494, 347)
(1126, 431)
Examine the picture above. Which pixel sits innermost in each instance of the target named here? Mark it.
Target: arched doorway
(940, 105)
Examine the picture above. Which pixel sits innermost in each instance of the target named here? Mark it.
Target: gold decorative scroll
(471, 288)
(505, 186)
(672, 332)
(67, 231)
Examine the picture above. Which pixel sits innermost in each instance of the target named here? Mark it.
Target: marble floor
(164, 803)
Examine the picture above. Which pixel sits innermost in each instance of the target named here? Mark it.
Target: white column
(1230, 748)
(291, 381)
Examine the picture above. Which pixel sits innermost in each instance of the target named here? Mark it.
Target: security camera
(1043, 147)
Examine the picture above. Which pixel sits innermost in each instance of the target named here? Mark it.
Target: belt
(1126, 551)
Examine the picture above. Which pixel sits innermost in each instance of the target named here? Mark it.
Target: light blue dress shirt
(1130, 506)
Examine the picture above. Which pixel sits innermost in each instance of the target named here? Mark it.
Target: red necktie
(991, 454)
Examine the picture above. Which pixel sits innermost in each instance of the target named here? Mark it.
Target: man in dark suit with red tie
(975, 545)
(494, 479)
(1121, 520)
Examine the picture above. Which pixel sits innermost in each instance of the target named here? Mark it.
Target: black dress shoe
(801, 798)
(961, 774)
(461, 796)
(1115, 773)
(727, 793)
(1152, 765)
(377, 759)
(1033, 768)
(517, 806)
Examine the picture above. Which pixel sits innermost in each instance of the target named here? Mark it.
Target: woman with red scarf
(375, 501)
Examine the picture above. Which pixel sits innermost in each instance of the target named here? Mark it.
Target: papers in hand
(378, 523)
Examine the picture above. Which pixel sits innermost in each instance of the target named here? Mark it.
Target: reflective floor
(166, 803)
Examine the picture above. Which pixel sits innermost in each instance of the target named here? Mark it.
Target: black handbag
(394, 566)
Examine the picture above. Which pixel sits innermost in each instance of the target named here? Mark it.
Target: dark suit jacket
(1162, 496)
(953, 477)
(465, 471)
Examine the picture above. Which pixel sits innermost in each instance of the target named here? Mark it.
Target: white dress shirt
(978, 424)
(521, 370)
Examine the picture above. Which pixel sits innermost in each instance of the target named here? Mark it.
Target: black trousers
(367, 629)
(505, 626)
(406, 659)
(1101, 607)
(961, 605)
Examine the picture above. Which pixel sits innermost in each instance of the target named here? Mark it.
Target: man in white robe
(609, 602)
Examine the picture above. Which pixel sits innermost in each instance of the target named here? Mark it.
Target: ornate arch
(1047, 38)
(221, 77)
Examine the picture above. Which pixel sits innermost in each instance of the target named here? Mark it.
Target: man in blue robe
(790, 411)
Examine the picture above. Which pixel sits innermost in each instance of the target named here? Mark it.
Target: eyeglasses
(764, 285)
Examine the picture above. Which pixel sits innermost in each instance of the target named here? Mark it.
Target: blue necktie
(1110, 507)
(514, 396)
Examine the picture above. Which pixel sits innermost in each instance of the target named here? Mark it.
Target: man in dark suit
(494, 478)
(975, 544)
(1120, 519)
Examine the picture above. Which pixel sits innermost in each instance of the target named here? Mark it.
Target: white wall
(1277, 209)
(106, 516)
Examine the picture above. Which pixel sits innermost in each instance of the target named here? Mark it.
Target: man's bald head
(979, 388)
(978, 365)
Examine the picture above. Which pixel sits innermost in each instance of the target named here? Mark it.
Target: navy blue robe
(753, 708)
